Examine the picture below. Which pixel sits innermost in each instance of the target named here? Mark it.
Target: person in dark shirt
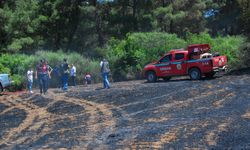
(43, 75)
(57, 75)
(65, 74)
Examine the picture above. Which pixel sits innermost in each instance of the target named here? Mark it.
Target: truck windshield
(166, 58)
(179, 56)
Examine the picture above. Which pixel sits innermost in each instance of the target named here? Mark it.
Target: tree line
(130, 33)
(85, 26)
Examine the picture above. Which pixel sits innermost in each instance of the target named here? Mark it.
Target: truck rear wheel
(151, 76)
(195, 74)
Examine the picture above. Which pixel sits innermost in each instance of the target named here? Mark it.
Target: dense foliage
(85, 25)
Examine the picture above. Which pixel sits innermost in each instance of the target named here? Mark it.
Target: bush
(244, 56)
(228, 45)
(4, 70)
(18, 83)
(16, 66)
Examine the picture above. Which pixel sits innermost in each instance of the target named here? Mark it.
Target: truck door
(164, 66)
(179, 64)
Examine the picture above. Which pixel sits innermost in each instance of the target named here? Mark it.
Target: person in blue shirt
(65, 74)
(57, 76)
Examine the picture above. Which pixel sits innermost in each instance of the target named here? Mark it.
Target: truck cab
(195, 62)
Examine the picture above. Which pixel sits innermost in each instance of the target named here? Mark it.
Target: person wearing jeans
(73, 74)
(30, 80)
(105, 73)
(65, 76)
(106, 83)
(65, 79)
(43, 83)
(43, 75)
(57, 75)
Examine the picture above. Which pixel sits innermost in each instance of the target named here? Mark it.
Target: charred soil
(179, 114)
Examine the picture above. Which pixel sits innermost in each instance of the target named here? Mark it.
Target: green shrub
(16, 63)
(4, 69)
(228, 45)
(18, 83)
(16, 66)
(244, 56)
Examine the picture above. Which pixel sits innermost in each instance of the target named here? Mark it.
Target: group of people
(62, 74)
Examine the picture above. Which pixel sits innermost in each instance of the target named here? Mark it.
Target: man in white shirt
(30, 80)
(73, 74)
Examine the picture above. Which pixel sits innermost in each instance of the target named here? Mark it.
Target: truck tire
(166, 78)
(151, 76)
(194, 73)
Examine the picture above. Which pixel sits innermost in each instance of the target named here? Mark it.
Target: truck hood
(150, 64)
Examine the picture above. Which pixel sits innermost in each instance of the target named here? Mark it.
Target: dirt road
(179, 114)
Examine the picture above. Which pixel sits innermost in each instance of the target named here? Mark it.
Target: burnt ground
(179, 114)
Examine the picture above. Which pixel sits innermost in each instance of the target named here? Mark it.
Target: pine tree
(18, 25)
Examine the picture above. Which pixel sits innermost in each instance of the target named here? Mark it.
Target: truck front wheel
(151, 76)
(195, 74)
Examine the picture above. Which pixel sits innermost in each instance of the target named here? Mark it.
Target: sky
(103, 1)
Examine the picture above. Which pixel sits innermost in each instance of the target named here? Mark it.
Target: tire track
(40, 118)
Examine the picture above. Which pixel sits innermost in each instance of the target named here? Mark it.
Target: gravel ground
(178, 114)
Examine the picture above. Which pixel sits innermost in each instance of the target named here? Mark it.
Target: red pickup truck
(195, 62)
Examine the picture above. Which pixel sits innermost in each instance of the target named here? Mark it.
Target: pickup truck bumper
(219, 69)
